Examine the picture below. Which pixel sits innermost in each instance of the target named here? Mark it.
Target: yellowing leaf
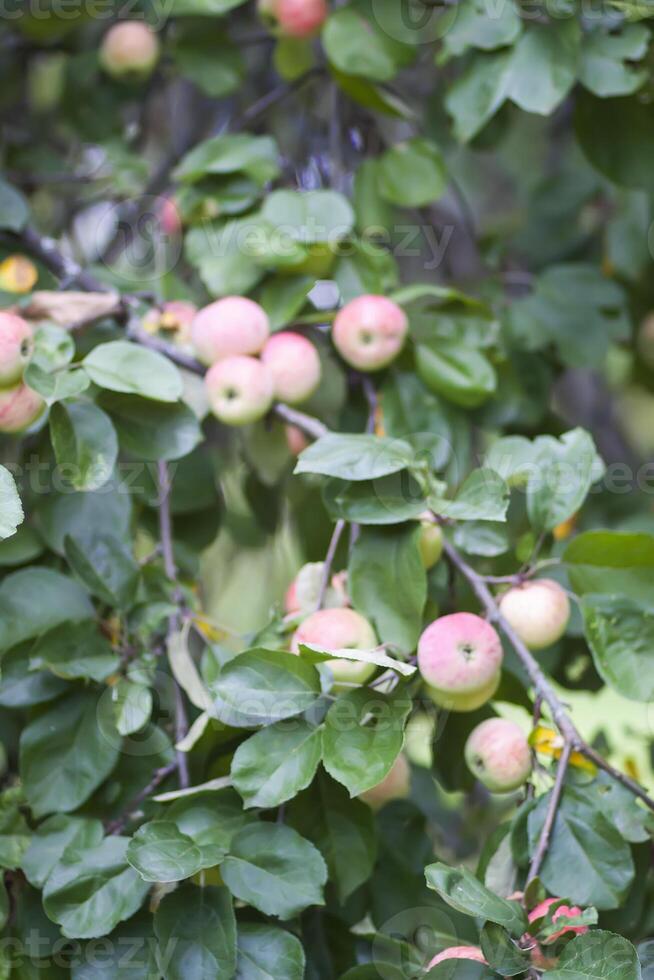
(545, 741)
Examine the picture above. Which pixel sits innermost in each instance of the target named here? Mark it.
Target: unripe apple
(230, 326)
(129, 50)
(459, 953)
(339, 629)
(460, 657)
(369, 332)
(240, 390)
(563, 913)
(294, 18)
(19, 408)
(295, 366)
(430, 544)
(538, 611)
(302, 595)
(498, 755)
(394, 786)
(16, 347)
(169, 216)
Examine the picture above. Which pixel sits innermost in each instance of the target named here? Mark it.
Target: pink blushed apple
(294, 18)
(296, 440)
(229, 327)
(16, 347)
(295, 366)
(369, 332)
(240, 390)
(19, 408)
(458, 953)
(394, 786)
(129, 50)
(498, 755)
(538, 611)
(339, 629)
(460, 657)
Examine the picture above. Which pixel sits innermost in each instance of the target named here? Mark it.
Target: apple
(170, 218)
(240, 390)
(16, 347)
(296, 440)
(301, 597)
(460, 658)
(129, 50)
(561, 914)
(369, 332)
(175, 316)
(294, 18)
(498, 755)
(19, 408)
(468, 701)
(538, 611)
(18, 274)
(295, 366)
(339, 629)
(430, 544)
(459, 953)
(230, 326)
(394, 786)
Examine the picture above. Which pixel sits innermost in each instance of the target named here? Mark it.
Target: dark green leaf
(598, 955)
(620, 634)
(357, 457)
(460, 889)
(75, 650)
(34, 600)
(273, 765)
(260, 687)
(196, 931)
(268, 953)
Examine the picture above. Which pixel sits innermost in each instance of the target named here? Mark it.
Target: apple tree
(326, 523)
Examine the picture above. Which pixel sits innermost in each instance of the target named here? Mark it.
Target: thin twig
(550, 816)
(119, 824)
(329, 561)
(373, 403)
(166, 534)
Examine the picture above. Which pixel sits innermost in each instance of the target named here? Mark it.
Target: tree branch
(550, 817)
(119, 824)
(329, 561)
(165, 531)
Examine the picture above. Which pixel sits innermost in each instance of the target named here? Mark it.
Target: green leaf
(564, 296)
(75, 650)
(357, 46)
(105, 566)
(84, 443)
(130, 954)
(34, 600)
(65, 739)
(196, 928)
(275, 870)
(224, 256)
(11, 509)
(597, 955)
(588, 861)
(14, 831)
(268, 953)
(342, 829)
(412, 174)
(607, 60)
(363, 736)
(215, 66)
(388, 584)
(483, 496)
(460, 889)
(152, 430)
(502, 953)
(14, 209)
(92, 889)
(211, 819)
(473, 28)
(620, 634)
(260, 687)
(357, 457)
(273, 765)
(56, 386)
(462, 375)
(132, 703)
(563, 472)
(122, 366)
(612, 562)
(159, 851)
(202, 8)
(256, 156)
(87, 514)
(52, 838)
(283, 298)
(390, 499)
(309, 217)
(617, 137)
(21, 687)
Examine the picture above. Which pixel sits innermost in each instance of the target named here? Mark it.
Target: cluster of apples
(19, 405)
(537, 941)
(249, 368)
